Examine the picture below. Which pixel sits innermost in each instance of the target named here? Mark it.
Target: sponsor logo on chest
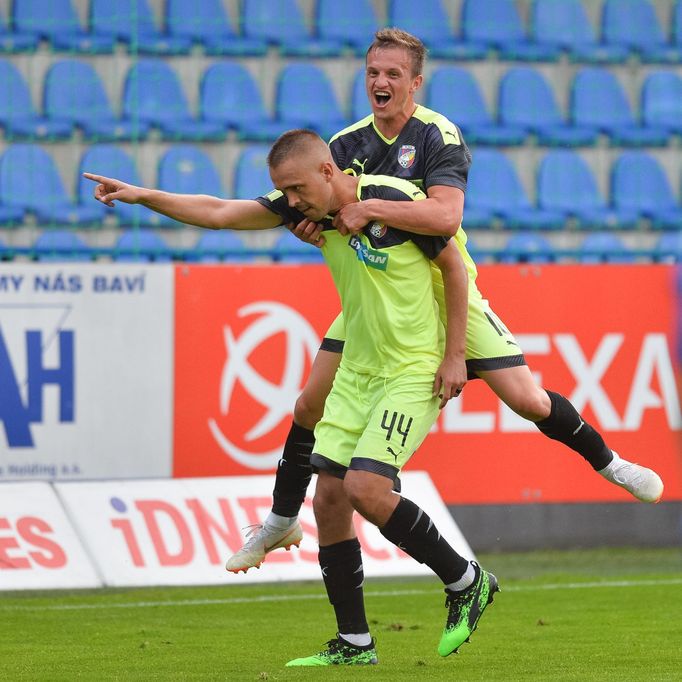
(370, 257)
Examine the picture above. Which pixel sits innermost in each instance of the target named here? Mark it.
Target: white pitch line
(299, 597)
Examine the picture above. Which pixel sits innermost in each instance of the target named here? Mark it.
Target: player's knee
(307, 411)
(533, 406)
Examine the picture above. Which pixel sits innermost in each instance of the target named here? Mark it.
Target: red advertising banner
(603, 336)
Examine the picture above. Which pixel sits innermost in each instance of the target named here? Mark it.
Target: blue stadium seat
(18, 116)
(219, 246)
(61, 245)
(526, 100)
(604, 247)
(231, 96)
(207, 23)
(677, 23)
(11, 41)
(352, 24)
(57, 21)
(494, 190)
(497, 23)
(154, 94)
(132, 22)
(566, 183)
(280, 22)
(565, 24)
(662, 101)
(306, 99)
(113, 162)
(290, 249)
(429, 21)
(454, 92)
(251, 174)
(669, 247)
(74, 94)
(598, 101)
(141, 246)
(527, 247)
(187, 170)
(634, 24)
(359, 105)
(29, 180)
(639, 183)
(11, 216)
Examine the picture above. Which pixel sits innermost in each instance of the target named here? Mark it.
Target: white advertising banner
(86, 367)
(181, 531)
(39, 548)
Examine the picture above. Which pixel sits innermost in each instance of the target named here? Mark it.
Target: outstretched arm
(452, 373)
(201, 210)
(439, 214)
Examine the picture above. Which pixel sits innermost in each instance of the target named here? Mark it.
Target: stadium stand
(640, 184)
(497, 24)
(251, 177)
(599, 84)
(289, 248)
(527, 101)
(29, 180)
(231, 97)
(669, 247)
(141, 247)
(61, 245)
(565, 24)
(604, 247)
(662, 100)
(18, 116)
(494, 190)
(527, 247)
(428, 20)
(566, 184)
(132, 22)
(154, 94)
(281, 23)
(306, 99)
(219, 246)
(599, 101)
(633, 24)
(468, 109)
(207, 24)
(13, 41)
(74, 95)
(57, 21)
(114, 162)
(351, 24)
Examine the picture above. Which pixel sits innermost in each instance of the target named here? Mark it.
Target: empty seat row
(230, 99)
(227, 247)
(566, 189)
(627, 26)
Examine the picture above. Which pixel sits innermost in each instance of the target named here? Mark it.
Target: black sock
(341, 565)
(411, 529)
(294, 472)
(565, 425)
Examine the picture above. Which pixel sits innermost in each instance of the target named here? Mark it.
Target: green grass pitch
(590, 615)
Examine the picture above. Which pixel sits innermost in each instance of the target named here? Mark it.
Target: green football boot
(339, 652)
(465, 609)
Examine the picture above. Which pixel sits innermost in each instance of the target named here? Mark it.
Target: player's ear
(327, 170)
(417, 83)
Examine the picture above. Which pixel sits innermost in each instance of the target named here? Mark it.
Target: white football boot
(644, 484)
(263, 539)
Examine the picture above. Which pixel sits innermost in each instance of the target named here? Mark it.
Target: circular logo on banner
(277, 399)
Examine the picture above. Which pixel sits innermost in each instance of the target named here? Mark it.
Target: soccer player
(383, 401)
(403, 139)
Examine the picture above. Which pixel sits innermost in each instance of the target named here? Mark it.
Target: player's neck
(345, 191)
(391, 127)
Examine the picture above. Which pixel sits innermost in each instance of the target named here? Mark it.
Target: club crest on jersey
(377, 230)
(406, 155)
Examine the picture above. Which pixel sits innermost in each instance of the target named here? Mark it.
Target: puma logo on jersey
(359, 164)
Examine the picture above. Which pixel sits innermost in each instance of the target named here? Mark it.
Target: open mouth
(382, 97)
